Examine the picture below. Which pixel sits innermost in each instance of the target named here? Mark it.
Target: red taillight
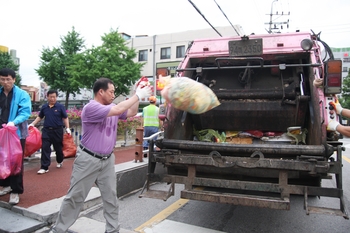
(333, 77)
(334, 80)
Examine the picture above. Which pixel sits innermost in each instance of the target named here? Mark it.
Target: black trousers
(16, 181)
(52, 137)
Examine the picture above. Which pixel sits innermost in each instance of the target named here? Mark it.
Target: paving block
(14, 222)
(48, 211)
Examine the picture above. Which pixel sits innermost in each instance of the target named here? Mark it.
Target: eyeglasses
(6, 79)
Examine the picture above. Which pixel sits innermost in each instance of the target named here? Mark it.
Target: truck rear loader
(275, 92)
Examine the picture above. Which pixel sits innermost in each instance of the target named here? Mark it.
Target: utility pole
(276, 23)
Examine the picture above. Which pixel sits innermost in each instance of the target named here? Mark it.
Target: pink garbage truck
(274, 92)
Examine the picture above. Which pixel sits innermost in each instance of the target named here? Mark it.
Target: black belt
(96, 155)
(53, 128)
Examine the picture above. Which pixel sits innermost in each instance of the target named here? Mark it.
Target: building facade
(161, 54)
(343, 54)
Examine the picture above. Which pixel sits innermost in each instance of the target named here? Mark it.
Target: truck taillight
(333, 77)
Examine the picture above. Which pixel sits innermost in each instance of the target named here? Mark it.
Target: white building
(344, 55)
(161, 54)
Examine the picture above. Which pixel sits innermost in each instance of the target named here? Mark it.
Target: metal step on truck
(274, 92)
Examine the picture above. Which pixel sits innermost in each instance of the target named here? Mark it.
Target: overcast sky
(29, 25)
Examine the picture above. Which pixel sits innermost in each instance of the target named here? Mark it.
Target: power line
(339, 26)
(227, 18)
(258, 12)
(204, 17)
(322, 28)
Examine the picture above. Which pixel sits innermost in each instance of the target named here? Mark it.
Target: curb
(130, 176)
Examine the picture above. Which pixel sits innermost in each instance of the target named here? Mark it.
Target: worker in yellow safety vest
(151, 122)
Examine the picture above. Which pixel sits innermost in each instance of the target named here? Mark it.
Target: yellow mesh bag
(188, 95)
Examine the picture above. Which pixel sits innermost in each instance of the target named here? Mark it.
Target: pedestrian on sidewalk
(52, 133)
(95, 160)
(151, 122)
(15, 109)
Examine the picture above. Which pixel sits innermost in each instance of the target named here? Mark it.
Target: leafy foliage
(129, 125)
(345, 97)
(7, 62)
(113, 60)
(54, 64)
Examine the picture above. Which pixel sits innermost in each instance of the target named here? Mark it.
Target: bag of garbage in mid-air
(188, 95)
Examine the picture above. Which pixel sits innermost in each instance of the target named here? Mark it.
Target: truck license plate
(251, 47)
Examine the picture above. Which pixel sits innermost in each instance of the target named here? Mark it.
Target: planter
(72, 122)
(125, 136)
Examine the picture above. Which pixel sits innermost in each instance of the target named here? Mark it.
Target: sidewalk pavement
(43, 195)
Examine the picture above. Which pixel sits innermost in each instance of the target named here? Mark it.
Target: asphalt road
(138, 213)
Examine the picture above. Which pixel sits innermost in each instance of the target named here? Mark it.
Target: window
(165, 53)
(345, 69)
(346, 59)
(180, 51)
(143, 55)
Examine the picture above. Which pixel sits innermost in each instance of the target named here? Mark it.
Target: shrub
(128, 125)
(74, 113)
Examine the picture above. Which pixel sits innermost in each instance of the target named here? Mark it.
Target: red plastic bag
(10, 152)
(33, 141)
(69, 147)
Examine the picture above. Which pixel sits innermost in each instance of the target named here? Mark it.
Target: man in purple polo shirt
(94, 163)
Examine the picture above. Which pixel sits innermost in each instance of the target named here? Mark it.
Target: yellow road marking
(162, 215)
(173, 207)
(346, 159)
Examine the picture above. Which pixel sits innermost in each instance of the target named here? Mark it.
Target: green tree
(345, 96)
(54, 64)
(6, 61)
(113, 60)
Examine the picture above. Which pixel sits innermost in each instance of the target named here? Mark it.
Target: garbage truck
(275, 93)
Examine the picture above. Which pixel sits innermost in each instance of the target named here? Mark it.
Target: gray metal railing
(159, 134)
